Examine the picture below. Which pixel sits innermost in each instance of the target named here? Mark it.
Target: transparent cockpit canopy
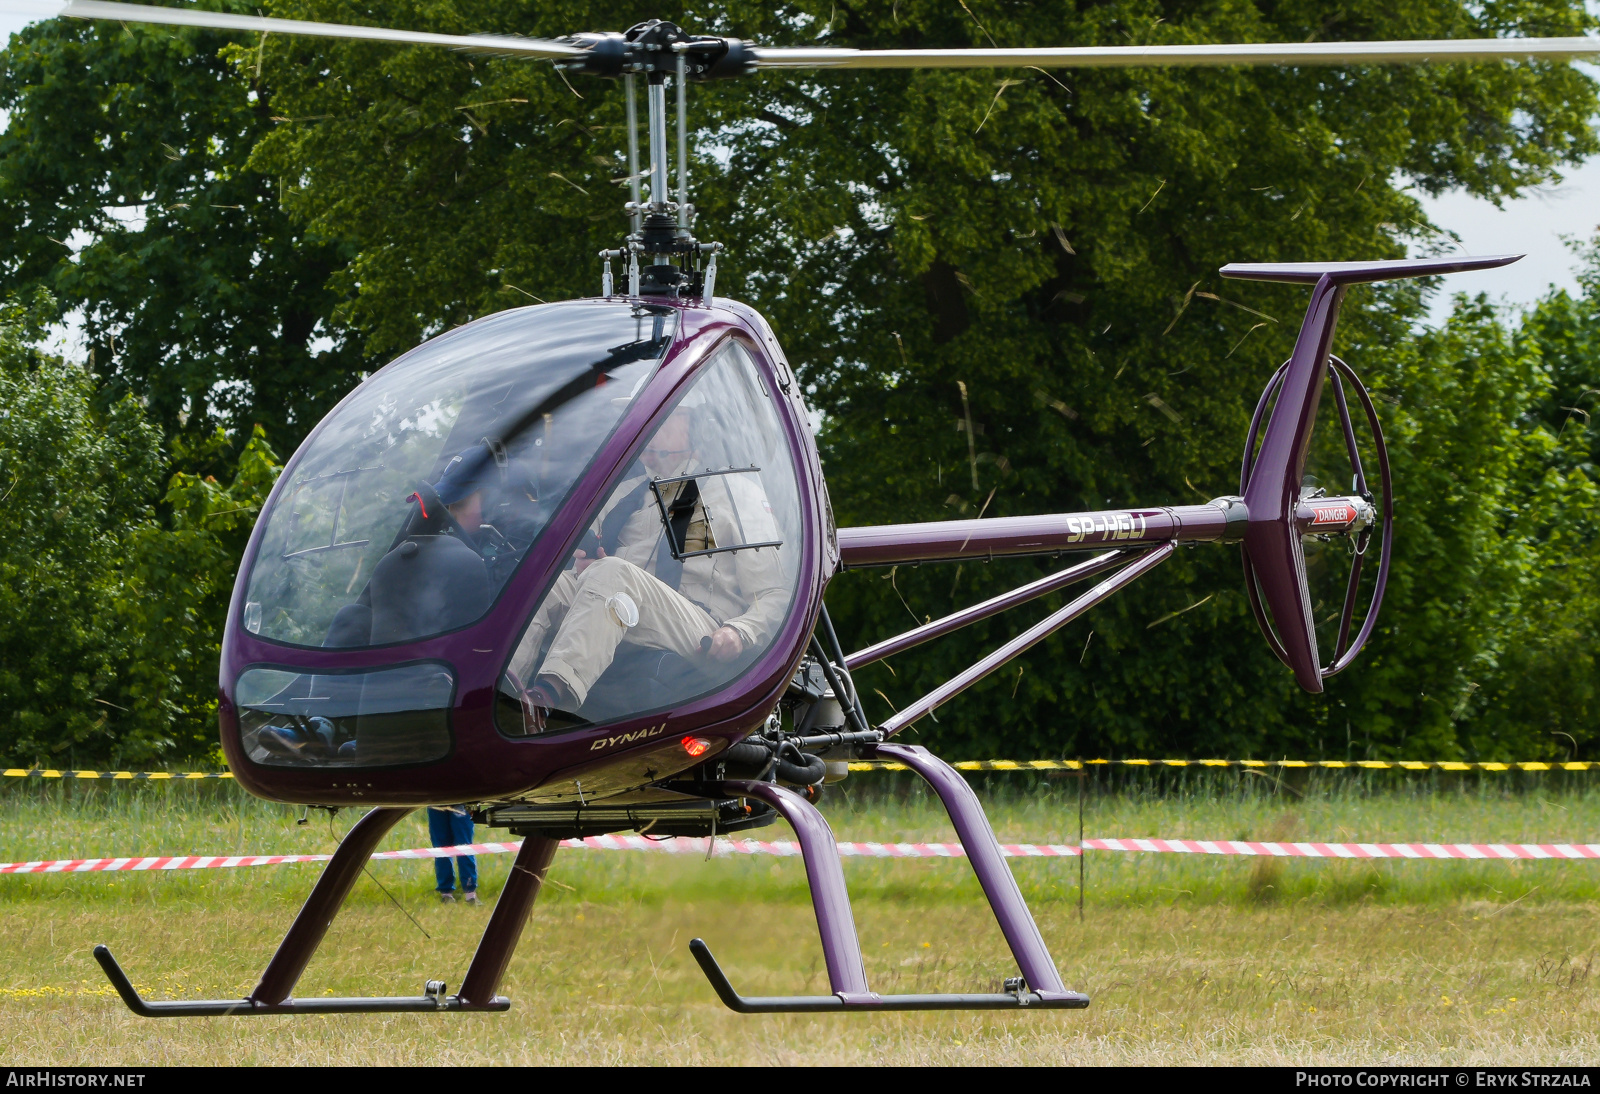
(409, 510)
(687, 572)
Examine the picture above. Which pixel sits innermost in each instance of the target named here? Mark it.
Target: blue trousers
(447, 828)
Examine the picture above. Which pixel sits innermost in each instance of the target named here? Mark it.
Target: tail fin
(1272, 537)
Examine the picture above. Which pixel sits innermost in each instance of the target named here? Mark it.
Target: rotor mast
(662, 255)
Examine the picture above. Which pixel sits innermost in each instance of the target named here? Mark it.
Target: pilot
(713, 606)
(431, 582)
(462, 484)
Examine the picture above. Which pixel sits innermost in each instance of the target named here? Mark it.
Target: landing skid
(273, 995)
(1020, 996)
(1038, 987)
(434, 999)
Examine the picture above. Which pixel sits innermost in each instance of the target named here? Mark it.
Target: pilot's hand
(726, 644)
(581, 560)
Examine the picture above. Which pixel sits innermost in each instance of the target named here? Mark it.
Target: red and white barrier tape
(788, 848)
(1355, 850)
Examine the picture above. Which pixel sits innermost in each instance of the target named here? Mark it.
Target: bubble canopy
(408, 510)
(605, 510)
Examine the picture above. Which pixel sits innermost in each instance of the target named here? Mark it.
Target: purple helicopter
(567, 562)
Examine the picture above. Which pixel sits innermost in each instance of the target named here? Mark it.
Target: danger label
(1332, 514)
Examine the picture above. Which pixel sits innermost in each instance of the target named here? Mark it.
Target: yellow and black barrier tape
(970, 765)
(1370, 765)
(52, 773)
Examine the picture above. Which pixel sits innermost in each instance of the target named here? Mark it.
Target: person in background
(451, 826)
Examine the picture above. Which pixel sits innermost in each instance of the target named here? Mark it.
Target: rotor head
(652, 48)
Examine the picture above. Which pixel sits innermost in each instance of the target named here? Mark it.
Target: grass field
(1188, 959)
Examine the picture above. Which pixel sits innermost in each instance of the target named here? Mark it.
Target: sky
(1533, 225)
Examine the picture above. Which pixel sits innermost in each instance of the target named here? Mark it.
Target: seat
(641, 679)
(425, 586)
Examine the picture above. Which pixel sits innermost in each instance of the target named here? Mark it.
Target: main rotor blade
(1250, 53)
(217, 20)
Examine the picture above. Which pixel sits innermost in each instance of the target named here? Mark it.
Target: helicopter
(567, 562)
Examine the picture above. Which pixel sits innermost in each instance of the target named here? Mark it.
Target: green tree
(1539, 681)
(1032, 254)
(1492, 516)
(75, 483)
(181, 579)
(109, 645)
(124, 190)
(999, 288)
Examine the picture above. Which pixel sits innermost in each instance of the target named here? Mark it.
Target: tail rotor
(1282, 513)
(1377, 521)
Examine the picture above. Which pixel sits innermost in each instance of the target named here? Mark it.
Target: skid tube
(273, 995)
(821, 1004)
(1040, 984)
(433, 1000)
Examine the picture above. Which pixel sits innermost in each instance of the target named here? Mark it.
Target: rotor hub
(652, 48)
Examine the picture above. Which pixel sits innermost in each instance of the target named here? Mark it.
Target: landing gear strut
(274, 993)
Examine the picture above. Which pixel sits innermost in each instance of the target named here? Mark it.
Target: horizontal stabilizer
(1358, 273)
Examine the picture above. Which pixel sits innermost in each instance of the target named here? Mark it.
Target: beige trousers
(587, 638)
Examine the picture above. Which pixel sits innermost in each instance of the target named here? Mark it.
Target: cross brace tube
(1027, 639)
(1099, 564)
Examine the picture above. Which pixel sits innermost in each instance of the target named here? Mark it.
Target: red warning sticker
(1332, 514)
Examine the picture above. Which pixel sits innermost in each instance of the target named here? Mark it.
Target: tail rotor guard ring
(1345, 651)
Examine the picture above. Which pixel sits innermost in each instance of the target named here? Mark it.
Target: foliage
(124, 190)
(1543, 678)
(1000, 288)
(1042, 258)
(1495, 520)
(1031, 254)
(184, 574)
(109, 645)
(75, 484)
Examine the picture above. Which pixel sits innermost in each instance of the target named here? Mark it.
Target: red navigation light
(695, 746)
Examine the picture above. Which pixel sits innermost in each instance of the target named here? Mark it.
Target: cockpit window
(687, 572)
(407, 513)
(353, 719)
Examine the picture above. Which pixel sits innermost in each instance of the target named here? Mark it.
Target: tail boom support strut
(1027, 639)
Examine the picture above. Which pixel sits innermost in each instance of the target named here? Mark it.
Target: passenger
(713, 606)
(429, 582)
